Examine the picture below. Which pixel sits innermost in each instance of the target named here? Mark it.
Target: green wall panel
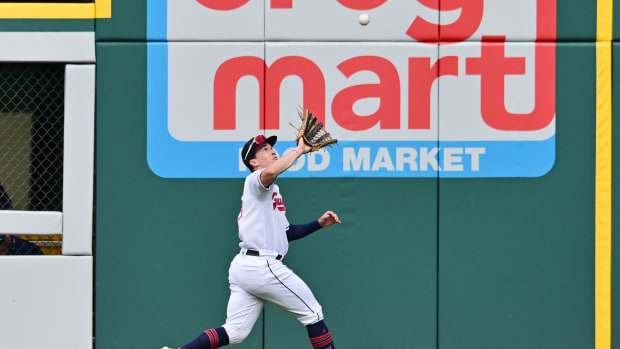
(494, 263)
(616, 19)
(128, 22)
(576, 20)
(47, 25)
(375, 273)
(163, 246)
(516, 256)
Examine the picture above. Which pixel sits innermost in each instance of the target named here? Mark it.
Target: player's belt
(257, 254)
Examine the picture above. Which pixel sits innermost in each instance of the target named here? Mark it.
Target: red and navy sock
(209, 339)
(320, 336)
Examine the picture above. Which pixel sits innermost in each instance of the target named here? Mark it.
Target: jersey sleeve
(256, 188)
(298, 231)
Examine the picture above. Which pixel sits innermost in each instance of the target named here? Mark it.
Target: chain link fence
(31, 142)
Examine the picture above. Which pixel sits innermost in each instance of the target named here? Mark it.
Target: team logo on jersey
(278, 203)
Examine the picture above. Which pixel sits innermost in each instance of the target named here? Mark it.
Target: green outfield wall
(417, 263)
(460, 262)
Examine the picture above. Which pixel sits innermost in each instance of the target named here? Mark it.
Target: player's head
(253, 146)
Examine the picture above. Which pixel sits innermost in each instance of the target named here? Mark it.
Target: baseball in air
(363, 19)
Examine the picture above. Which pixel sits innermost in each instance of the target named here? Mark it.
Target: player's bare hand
(328, 218)
(302, 146)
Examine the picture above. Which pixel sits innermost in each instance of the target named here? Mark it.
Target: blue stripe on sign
(157, 106)
(455, 159)
(367, 159)
(156, 20)
(501, 158)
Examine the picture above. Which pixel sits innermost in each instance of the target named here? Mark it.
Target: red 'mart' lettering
(281, 3)
(421, 78)
(423, 30)
(225, 87)
(468, 22)
(223, 5)
(492, 66)
(546, 20)
(230, 72)
(387, 90)
(313, 91)
(362, 4)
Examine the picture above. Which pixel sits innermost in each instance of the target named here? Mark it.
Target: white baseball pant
(254, 280)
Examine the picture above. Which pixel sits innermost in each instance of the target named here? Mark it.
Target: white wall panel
(219, 20)
(46, 302)
(497, 109)
(196, 71)
(525, 20)
(30, 222)
(79, 153)
(47, 46)
(331, 20)
(467, 94)
(375, 75)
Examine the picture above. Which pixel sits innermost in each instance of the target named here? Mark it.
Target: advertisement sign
(399, 109)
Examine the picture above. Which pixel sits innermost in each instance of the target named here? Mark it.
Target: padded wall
(424, 260)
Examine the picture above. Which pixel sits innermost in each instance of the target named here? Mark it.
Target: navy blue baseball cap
(249, 149)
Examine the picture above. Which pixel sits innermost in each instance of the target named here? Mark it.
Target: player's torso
(262, 220)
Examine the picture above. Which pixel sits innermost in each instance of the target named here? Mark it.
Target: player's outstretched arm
(287, 160)
(328, 218)
(298, 231)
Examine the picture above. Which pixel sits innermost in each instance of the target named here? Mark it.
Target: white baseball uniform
(256, 279)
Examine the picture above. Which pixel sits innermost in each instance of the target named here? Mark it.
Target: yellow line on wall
(99, 9)
(103, 8)
(604, 20)
(603, 175)
(603, 197)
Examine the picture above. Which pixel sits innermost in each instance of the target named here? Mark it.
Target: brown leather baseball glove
(313, 132)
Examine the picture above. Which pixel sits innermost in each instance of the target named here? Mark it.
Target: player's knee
(237, 335)
(313, 316)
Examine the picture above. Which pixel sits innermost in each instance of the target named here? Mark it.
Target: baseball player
(257, 274)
